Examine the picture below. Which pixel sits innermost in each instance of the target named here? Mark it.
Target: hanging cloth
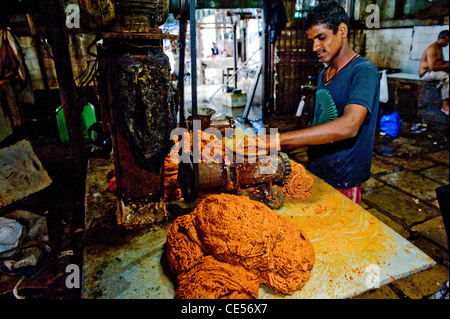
(12, 77)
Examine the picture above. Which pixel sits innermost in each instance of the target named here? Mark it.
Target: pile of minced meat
(230, 245)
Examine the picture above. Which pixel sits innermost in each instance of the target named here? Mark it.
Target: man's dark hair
(443, 34)
(329, 13)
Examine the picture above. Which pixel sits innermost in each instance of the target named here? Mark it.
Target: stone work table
(355, 252)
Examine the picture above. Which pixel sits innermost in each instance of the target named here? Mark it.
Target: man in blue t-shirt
(340, 139)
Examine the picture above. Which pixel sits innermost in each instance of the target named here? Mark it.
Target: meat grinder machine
(253, 179)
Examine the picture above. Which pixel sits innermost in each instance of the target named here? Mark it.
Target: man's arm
(346, 126)
(435, 65)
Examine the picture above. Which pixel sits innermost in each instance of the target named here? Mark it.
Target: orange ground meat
(183, 249)
(213, 279)
(240, 232)
(298, 184)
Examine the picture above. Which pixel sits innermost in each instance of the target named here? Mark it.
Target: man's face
(325, 43)
(443, 42)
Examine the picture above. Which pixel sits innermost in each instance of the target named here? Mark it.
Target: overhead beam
(228, 4)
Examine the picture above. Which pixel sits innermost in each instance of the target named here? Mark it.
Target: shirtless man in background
(433, 66)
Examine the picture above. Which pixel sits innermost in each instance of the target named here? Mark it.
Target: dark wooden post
(37, 44)
(57, 34)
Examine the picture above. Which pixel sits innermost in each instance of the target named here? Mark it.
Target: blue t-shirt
(346, 164)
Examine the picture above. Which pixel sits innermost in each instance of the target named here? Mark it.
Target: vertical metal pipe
(199, 38)
(244, 41)
(195, 128)
(264, 45)
(193, 35)
(292, 62)
(235, 52)
(271, 78)
(181, 70)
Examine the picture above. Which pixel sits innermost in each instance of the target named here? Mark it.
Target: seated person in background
(215, 50)
(433, 66)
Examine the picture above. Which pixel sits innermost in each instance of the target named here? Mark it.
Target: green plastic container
(87, 119)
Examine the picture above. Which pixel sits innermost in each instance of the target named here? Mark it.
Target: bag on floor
(33, 246)
(390, 123)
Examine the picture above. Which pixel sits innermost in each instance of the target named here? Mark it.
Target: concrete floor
(406, 170)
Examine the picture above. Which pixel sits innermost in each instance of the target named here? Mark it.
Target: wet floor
(402, 193)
